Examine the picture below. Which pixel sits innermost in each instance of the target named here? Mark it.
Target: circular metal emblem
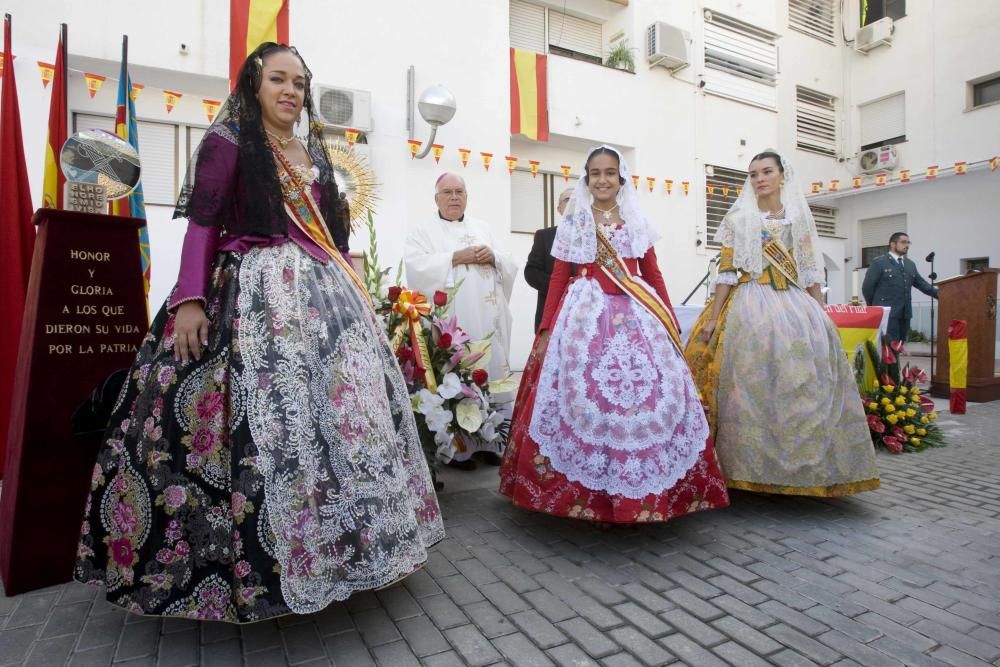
(101, 158)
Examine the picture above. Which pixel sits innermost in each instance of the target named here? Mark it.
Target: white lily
(427, 402)
(450, 387)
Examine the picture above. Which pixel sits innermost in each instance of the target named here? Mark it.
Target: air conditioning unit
(667, 46)
(875, 160)
(874, 34)
(343, 107)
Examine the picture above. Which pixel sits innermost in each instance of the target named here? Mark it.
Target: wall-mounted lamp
(437, 107)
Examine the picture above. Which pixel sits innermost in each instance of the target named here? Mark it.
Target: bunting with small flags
(437, 150)
(94, 83)
(47, 71)
(464, 154)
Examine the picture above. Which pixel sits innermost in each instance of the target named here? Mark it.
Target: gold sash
(614, 268)
(304, 212)
(781, 259)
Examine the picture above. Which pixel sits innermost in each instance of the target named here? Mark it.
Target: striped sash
(614, 268)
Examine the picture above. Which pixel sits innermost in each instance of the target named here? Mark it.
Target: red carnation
(444, 341)
(480, 376)
(394, 293)
(440, 299)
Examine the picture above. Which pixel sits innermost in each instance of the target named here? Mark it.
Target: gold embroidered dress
(782, 401)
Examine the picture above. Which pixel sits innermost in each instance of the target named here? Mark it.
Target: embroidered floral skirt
(279, 473)
(784, 406)
(608, 426)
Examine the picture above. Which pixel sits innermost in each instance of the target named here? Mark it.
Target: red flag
(54, 180)
(252, 22)
(17, 232)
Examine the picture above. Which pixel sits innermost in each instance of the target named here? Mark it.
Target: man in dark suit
(888, 282)
(538, 268)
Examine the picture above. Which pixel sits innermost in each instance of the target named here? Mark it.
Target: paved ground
(909, 574)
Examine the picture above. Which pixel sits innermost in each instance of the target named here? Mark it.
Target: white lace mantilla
(616, 408)
(348, 494)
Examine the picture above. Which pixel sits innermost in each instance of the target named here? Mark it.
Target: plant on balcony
(620, 57)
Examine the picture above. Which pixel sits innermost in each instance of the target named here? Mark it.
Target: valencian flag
(252, 22)
(54, 179)
(17, 232)
(125, 127)
(529, 107)
(958, 364)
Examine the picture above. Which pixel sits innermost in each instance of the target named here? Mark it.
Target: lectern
(973, 298)
(85, 316)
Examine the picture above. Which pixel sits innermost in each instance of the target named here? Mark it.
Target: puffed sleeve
(728, 275)
(214, 188)
(209, 212)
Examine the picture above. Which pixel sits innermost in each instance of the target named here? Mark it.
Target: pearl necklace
(282, 141)
(606, 214)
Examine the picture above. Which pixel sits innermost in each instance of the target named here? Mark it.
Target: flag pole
(64, 40)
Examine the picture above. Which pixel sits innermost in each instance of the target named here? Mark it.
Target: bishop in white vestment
(452, 248)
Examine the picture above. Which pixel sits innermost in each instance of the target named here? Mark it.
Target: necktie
(901, 264)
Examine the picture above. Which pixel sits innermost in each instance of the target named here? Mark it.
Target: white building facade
(783, 74)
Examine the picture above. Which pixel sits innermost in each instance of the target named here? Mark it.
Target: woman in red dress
(607, 424)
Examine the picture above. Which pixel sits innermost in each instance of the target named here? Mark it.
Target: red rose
(480, 376)
(440, 299)
(394, 293)
(444, 341)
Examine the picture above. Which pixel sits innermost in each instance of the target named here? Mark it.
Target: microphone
(930, 257)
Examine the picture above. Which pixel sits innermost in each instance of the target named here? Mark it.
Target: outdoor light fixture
(437, 107)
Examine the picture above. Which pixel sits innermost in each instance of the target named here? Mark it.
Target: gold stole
(304, 212)
(614, 268)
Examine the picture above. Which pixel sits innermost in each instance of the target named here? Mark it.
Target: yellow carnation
(915, 391)
(888, 388)
(903, 390)
(933, 416)
(924, 419)
(873, 406)
(921, 432)
(915, 441)
(889, 407)
(886, 400)
(892, 419)
(900, 400)
(910, 429)
(910, 412)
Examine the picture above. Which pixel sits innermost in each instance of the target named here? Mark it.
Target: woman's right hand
(708, 330)
(190, 331)
(541, 343)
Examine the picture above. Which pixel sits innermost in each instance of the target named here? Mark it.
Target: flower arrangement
(441, 365)
(900, 418)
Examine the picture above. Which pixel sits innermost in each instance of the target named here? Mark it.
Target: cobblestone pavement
(909, 574)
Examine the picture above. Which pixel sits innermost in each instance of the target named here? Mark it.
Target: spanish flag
(126, 127)
(958, 364)
(252, 22)
(54, 180)
(529, 107)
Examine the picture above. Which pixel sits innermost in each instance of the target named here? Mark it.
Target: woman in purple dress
(262, 458)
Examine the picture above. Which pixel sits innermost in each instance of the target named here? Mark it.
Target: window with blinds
(157, 155)
(536, 28)
(815, 122)
(527, 26)
(875, 233)
(574, 37)
(883, 122)
(533, 200)
(741, 61)
(723, 183)
(826, 220)
(815, 18)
